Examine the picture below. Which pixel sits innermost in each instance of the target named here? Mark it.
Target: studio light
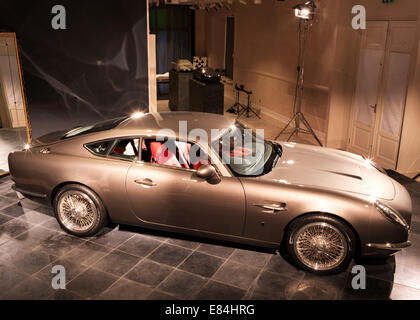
(305, 10)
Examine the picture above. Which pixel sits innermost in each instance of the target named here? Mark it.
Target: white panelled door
(381, 90)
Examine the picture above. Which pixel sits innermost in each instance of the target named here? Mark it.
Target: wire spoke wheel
(77, 211)
(320, 246)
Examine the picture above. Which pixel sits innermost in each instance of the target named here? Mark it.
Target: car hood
(331, 169)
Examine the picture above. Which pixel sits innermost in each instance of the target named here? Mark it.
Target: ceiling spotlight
(305, 10)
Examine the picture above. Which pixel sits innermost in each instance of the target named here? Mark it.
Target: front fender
(356, 210)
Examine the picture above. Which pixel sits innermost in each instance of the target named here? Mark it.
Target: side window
(126, 149)
(100, 148)
(173, 153)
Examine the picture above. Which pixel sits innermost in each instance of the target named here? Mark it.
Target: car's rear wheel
(320, 244)
(79, 210)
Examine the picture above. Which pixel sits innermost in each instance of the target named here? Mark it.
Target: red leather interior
(118, 150)
(160, 154)
(240, 152)
(154, 148)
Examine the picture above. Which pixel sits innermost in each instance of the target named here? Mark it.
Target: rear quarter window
(100, 148)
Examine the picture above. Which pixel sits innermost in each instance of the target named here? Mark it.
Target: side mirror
(209, 173)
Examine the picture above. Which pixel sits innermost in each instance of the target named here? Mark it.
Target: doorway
(385, 61)
(229, 46)
(14, 133)
(12, 105)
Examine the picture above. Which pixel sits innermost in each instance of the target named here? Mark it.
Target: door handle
(146, 182)
(374, 106)
(272, 208)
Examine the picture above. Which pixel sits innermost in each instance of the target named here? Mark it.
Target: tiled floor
(129, 263)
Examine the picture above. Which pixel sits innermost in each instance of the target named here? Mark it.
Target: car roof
(155, 122)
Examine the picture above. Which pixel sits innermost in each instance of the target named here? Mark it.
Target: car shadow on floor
(302, 285)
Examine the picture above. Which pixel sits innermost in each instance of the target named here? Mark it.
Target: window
(173, 153)
(246, 153)
(97, 127)
(100, 148)
(125, 149)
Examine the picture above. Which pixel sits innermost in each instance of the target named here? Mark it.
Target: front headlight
(391, 215)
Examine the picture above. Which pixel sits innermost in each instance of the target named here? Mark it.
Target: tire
(320, 244)
(79, 211)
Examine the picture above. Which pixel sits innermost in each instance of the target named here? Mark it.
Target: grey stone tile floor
(129, 263)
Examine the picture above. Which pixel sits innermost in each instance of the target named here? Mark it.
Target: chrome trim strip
(29, 193)
(392, 246)
(272, 208)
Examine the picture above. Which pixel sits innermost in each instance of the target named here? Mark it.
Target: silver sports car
(208, 175)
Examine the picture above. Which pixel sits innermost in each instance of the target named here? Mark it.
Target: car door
(174, 196)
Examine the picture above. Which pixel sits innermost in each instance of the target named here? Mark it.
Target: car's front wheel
(320, 244)
(79, 210)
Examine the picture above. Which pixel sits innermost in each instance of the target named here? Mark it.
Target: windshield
(100, 126)
(246, 153)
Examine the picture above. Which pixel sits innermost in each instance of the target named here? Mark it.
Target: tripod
(237, 106)
(240, 109)
(299, 117)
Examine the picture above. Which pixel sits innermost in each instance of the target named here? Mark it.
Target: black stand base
(297, 118)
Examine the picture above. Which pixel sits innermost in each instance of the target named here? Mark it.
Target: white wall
(266, 58)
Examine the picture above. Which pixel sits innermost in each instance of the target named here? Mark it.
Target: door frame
(379, 87)
(19, 65)
(385, 74)
(233, 44)
(25, 105)
(384, 69)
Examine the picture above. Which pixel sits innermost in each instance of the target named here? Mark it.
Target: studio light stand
(305, 13)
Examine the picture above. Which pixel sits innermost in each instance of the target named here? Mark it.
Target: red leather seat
(154, 148)
(162, 155)
(118, 150)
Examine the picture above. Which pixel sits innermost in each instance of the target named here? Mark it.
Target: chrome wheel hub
(76, 211)
(320, 246)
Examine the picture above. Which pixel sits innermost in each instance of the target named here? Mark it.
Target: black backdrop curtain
(96, 69)
(173, 26)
